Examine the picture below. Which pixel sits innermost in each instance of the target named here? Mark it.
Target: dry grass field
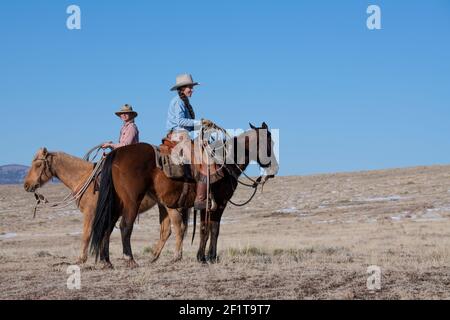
(308, 237)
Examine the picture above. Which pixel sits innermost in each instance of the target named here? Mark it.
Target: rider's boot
(200, 197)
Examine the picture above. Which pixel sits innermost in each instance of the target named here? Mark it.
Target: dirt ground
(304, 237)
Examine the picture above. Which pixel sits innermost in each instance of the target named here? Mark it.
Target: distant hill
(13, 174)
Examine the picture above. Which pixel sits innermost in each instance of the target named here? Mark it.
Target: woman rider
(181, 121)
(129, 133)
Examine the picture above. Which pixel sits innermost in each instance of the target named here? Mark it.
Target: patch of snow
(324, 221)
(379, 199)
(431, 215)
(228, 221)
(8, 235)
(404, 215)
(288, 210)
(346, 207)
(69, 213)
(441, 209)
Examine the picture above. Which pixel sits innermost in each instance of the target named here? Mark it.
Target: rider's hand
(107, 145)
(207, 123)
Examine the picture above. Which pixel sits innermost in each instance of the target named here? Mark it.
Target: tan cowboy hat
(126, 108)
(184, 80)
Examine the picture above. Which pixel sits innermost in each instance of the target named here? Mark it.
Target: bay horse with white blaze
(131, 173)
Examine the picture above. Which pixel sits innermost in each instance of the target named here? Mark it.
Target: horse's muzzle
(30, 188)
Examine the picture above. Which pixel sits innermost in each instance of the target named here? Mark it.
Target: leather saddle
(189, 170)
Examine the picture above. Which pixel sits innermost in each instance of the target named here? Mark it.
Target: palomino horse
(73, 172)
(130, 173)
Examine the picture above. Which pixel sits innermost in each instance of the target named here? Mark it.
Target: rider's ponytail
(186, 102)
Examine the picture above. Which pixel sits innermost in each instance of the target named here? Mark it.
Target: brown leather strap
(182, 199)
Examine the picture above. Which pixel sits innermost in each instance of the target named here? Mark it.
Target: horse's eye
(39, 165)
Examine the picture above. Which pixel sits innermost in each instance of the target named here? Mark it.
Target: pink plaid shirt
(129, 134)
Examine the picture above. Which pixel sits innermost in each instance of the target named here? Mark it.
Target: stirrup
(200, 205)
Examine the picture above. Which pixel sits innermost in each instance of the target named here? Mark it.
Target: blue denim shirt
(178, 117)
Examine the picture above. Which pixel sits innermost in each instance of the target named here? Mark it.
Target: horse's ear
(44, 151)
(252, 126)
(264, 126)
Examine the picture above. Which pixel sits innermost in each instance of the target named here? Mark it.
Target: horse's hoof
(213, 259)
(132, 264)
(106, 266)
(81, 260)
(154, 259)
(201, 258)
(176, 258)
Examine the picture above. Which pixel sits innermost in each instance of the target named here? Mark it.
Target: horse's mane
(56, 153)
(60, 153)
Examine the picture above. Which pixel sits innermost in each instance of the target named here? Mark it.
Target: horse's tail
(195, 224)
(185, 217)
(103, 221)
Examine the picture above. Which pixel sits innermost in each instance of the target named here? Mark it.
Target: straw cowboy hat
(126, 108)
(184, 80)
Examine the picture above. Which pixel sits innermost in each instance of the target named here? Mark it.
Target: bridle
(46, 167)
(268, 138)
(260, 181)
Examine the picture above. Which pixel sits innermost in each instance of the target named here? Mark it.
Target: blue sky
(344, 98)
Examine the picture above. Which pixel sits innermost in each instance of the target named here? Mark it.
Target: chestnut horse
(72, 172)
(131, 173)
